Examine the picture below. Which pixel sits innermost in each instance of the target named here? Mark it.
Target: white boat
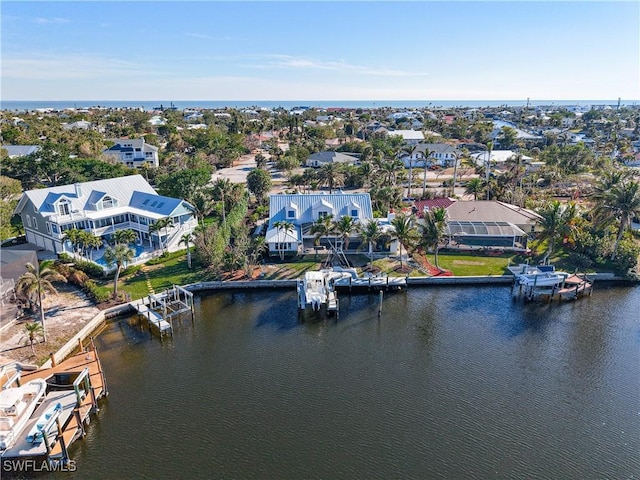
(16, 407)
(542, 279)
(35, 435)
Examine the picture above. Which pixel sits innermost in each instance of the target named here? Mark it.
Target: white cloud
(200, 35)
(51, 20)
(301, 63)
(75, 66)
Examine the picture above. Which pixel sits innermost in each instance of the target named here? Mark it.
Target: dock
(76, 384)
(159, 310)
(545, 283)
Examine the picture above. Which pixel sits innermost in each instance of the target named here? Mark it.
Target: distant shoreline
(11, 105)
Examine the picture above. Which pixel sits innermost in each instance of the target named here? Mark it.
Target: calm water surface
(450, 383)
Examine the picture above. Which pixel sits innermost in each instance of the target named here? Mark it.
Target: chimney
(78, 188)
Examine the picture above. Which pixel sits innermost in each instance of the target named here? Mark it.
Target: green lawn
(172, 272)
(467, 264)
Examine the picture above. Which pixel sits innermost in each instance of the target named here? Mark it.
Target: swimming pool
(138, 250)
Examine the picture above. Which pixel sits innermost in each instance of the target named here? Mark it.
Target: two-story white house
(103, 207)
(440, 154)
(133, 152)
(302, 210)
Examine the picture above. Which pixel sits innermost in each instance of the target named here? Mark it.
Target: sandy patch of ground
(466, 262)
(65, 314)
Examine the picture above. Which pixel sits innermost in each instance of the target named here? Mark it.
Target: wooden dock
(77, 384)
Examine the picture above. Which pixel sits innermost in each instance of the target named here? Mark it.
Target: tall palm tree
(36, 282)
(424, 180)
(487, 168)
(434, 227)
(186, 239)
(119, 255)
(33, 329)
(557, 222)
(404, 231)
(331, 175)
(158, 226)
(370, 232)
(221, 191)
(202, 204)
(287, 228)
(125, 237)
(323, 227)
(621, 203)
(73, 237)
(345, 227)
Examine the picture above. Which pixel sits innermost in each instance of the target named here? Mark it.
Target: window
(323, 214)
(28, 219)
(108, 202)
(145, 202)
(54, 227)
(354, 213)
(48, 225)
(35, 223)
(63, 208)
(291, 214)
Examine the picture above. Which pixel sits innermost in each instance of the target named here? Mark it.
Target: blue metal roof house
(301, 210)
(103, 207)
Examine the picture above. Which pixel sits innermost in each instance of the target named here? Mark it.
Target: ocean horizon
(20, 105)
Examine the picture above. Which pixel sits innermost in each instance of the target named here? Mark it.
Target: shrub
(97, 294)
(92, 269)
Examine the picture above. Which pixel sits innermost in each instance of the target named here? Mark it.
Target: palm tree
(221, 191)
(36, 282)
(474, 186)
(287, 228)
(331, 175)
(202, 204)
(557, 221)
(119, 255)
(435, 222)
(33, 329)
(345, 227)
(125, 237)
(621, 203)
(158, 226)
(424, 180)
(323, 227)
(186, 239)
(487, 169)
(404, 231)
(370, 233)
(73, 237)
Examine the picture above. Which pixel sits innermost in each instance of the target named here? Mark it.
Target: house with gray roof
(300, 211)
(14, 151)
(490, 224)
(322, 158)
(103, 207)
(133, 152)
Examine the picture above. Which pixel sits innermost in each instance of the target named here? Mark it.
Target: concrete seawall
(100, 319)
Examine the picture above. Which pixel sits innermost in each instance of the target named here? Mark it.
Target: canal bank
(100, 319)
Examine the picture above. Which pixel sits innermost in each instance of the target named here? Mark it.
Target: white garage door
(31, 238)
(48, 244)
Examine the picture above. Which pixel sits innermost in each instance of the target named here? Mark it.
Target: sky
(325, 50)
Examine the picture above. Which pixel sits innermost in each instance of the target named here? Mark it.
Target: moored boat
(16, 407)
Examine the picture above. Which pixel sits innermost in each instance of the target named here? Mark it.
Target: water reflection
(446, 383)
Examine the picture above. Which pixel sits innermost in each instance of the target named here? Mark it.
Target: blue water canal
(451, 382)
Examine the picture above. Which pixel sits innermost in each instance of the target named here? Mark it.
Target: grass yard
(466, 265)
